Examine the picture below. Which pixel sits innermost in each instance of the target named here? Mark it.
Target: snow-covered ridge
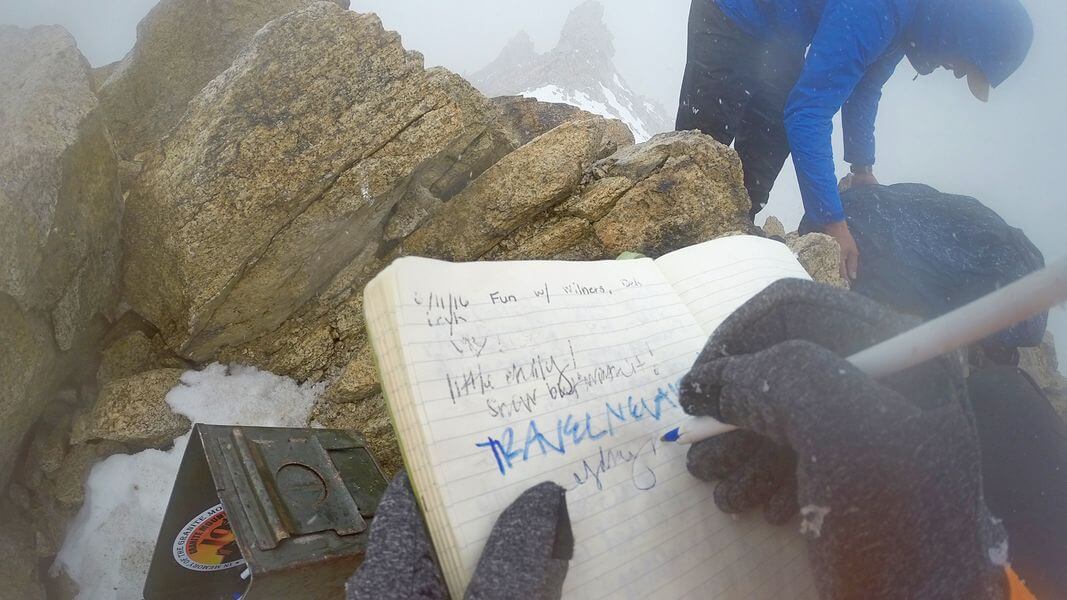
(579, 71)
(613, 108)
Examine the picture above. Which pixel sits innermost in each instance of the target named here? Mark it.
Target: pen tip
(672, 435)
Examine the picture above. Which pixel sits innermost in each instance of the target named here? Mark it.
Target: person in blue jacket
(769, 76)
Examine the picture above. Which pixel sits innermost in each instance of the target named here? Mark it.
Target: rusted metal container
(262, 513)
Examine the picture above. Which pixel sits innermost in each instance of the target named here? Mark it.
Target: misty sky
(1009, 153)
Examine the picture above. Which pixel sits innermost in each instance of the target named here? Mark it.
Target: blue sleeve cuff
(856, 157)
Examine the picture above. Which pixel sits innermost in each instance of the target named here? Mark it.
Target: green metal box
(261, 513)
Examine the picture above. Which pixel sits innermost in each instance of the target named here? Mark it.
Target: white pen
(1031, 295)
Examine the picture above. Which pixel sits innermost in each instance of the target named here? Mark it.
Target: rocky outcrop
(820, 255)
(773, 227)
(299, 173)
(133, 411)
(60, 213)
(133, 353)
(49, 488)
(526, 119)
(181, 46)
(514, 191)
(18, 559)
(540, 203)
(358, 381)
(572, 193)
(286, 169)
(676, 190)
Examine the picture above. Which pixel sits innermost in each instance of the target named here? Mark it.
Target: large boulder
(181, 46)
(673, 191)
(676, 190)
(28, 368)
(52, 472)
(565, 195)
(514, 191)
(133, 410)
(19, 576)
(60, 214)
(286, 170)
(526, 118)
(820, 255)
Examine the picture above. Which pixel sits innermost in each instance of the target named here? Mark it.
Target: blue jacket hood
(994, 35)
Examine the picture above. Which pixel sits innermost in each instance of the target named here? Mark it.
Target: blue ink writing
(573, 430)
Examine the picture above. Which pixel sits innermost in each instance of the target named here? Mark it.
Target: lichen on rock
(286, 168)
(133, 410)
(181, 46)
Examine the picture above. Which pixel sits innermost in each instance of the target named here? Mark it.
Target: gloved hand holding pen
(887, 474)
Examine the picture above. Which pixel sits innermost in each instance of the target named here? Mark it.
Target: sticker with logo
(208, 543)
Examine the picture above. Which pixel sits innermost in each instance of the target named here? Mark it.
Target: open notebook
(500, 375)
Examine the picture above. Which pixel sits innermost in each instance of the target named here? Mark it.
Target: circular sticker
(208, 543)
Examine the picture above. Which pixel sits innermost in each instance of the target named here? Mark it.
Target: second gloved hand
(400, 560)
(751, 469)
(887, 475)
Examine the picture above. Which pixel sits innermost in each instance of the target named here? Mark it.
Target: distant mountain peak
(519, 46)
(586, 31)
(580, 71)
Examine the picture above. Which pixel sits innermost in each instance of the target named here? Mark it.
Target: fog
(1008, 153)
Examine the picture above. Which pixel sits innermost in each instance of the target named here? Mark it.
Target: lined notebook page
(526, 372)
(715, 278)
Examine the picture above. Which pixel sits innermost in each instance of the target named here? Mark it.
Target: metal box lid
(289, 505)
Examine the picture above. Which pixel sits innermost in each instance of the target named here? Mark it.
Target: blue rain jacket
(853, 48)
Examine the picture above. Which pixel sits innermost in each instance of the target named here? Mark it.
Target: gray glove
(400, 559)
(888, 475)
(751, 469)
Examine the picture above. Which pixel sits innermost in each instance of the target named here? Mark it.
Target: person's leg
(761, 140)
(1024, 471)
(713, 92)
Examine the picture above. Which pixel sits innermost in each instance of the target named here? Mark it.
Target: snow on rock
(624, 108)
(109, 545)
(579, 71)
(613, 109)
(238, 395)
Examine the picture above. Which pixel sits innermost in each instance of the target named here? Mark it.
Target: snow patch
(998, 555)
(554, 93)
(812, 519)
(108, 547)
(626, 114)
(613, 109)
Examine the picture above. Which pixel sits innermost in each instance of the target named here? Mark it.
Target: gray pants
(735, 89)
